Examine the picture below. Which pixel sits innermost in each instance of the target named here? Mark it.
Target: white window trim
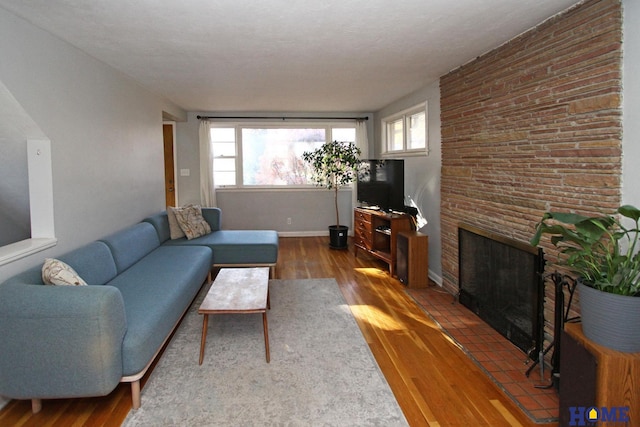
(40, 204)
(404, 115)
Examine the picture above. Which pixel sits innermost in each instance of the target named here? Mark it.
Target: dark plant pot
(338, 236)
(609, 319)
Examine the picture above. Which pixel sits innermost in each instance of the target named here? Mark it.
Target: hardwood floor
(435, 383)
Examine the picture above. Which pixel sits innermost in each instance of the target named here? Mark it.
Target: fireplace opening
(501, 280)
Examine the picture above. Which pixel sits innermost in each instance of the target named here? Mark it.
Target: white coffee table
(237, 290)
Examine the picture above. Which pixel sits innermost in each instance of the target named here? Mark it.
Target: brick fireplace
(533, 125)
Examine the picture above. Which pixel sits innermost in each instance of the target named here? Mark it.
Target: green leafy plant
(599, 250)
(334, 165)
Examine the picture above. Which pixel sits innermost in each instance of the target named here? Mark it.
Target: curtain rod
(280, 118)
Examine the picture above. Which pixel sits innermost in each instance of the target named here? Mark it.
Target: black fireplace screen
(500, 280)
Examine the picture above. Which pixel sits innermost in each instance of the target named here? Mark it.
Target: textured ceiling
(283, 55)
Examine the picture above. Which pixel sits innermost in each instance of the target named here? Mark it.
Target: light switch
(185, 172)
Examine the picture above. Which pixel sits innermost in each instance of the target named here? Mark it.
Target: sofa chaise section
(231, 248)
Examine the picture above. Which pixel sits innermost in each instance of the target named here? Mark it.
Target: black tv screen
(381, 184)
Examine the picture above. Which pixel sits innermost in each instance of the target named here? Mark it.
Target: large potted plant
(334, 165)
(602, 252)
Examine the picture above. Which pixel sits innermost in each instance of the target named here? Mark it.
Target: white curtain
(361, 138)
(362, 142)
(207, 188)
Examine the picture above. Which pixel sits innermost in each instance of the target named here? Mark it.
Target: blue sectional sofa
(80, 341)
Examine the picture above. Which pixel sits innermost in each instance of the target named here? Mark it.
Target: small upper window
(406, 132)
(395, 133)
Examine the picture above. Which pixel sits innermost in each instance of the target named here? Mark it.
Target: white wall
(631, 103)
(422, 174)
(188, 157)
(105, 132)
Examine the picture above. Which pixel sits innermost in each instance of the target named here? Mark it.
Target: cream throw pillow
(191, 221)
(56, 272)
(175, 232)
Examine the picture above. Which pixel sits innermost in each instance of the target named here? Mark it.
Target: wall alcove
(26, 190)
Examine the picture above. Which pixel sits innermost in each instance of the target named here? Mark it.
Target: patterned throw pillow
(56, 272)
(191, 221)
(175, 231)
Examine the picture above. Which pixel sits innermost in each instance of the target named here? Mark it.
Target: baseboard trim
(435, 278)
(302, 233)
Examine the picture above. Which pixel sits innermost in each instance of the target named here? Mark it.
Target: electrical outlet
(288, 221)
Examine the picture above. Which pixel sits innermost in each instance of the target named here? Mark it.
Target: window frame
(405, 117)
(327, 125)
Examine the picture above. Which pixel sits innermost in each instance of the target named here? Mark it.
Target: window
(406, 132)
(274, 156)
(223, 149)
(417, 135)
(269, 156)
(395, 131)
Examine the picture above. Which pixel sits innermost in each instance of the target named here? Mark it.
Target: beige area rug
(321, 372)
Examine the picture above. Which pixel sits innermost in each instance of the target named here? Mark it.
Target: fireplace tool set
(561, 316)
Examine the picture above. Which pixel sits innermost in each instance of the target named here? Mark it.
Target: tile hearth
(503, 362)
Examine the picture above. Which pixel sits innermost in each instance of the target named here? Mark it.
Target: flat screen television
(381, 184)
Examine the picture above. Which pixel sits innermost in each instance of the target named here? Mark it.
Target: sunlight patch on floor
(452, 341)
(372, 272)
(375, 317)
(505, 413)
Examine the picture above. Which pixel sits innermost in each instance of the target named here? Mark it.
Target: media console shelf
(376, 233)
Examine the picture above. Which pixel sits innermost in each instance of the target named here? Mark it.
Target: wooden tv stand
(376, 233)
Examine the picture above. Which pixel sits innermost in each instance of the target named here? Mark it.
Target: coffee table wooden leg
(266, 335)
(203, 341)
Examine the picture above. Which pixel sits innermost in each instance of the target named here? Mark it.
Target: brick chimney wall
(534, 125)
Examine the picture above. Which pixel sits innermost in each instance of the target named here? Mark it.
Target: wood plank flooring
(435, 383)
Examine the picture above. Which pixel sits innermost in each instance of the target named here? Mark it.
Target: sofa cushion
(160, 222)
(93, 262)
(128, 246)
(56, 272)
(213, 216)
(156, 292)
(175, 232)
(238, 246)
(191, 221)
